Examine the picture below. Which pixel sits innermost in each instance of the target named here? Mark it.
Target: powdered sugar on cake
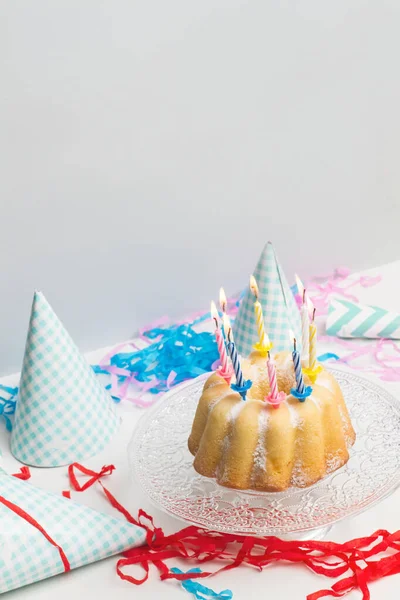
(218, 398)
(315, 401)
(295, 419)
(260, 453)
(233, 415)
(326, 383)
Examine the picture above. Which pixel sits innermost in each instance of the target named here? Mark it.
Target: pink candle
(275, 398)
(225, 369)
(272, 377)
(222, 350)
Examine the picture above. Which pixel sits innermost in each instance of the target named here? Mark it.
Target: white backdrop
(149, 149)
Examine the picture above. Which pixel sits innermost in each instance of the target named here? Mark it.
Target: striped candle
(305, 319)
(272, 378)
(297, 369)
(223, 303)
(222, 350)
(236, 363)
(313, 346)
(220, 340)
(259, 314)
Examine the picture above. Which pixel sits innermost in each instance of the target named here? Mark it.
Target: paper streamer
(339, 283)
(201, 592)
(7, 404)
(357, 562)
(379, 357)
(173, 354)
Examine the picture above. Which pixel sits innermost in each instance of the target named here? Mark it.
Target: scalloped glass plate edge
(317, 529)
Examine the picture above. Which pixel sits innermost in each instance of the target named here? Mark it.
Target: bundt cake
(249, 444)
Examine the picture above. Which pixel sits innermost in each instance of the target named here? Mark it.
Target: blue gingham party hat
(279, 308)
(63, 414)
(83, 534)
(349, 319)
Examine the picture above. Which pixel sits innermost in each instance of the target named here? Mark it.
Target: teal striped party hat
(63, 414)
(279, 308)
(349, 319)
(76, 535)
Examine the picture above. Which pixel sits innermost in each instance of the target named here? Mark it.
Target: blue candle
(300, 387)
(236, 364)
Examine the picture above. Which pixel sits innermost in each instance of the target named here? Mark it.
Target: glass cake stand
(161, 462)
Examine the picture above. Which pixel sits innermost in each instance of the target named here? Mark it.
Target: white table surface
(100, 580)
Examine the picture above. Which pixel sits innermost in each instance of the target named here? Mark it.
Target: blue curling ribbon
(10, 390)
(178, 348)
(7, 405)
(302, 395)
(199, 591)
(327, 356)
(242, 389)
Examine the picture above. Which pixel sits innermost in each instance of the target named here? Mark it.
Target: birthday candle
(305, 319)
(272, 377)
(223, 304)
(233, 352)
(313, 341)
(220, 340)
(259, 313)
(297, 367)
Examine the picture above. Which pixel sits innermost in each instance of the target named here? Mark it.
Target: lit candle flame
(227, 326)
(311, 308)
(254, 286)
(300, 287)
(222, 299)
(214, 313)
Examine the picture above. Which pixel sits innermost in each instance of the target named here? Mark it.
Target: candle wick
(229, 335)
(216, 322)
(294, 344)
(269, 355)
(304, 296)
(313, 314)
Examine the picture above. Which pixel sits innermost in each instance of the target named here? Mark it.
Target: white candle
(305, 320)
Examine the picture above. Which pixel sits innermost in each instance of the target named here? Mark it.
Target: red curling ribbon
(24, 515)
(106, 470)
(67, 494)
(350, 560)
(24, 474)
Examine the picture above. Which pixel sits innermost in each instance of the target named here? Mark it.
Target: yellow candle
(264, 343)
